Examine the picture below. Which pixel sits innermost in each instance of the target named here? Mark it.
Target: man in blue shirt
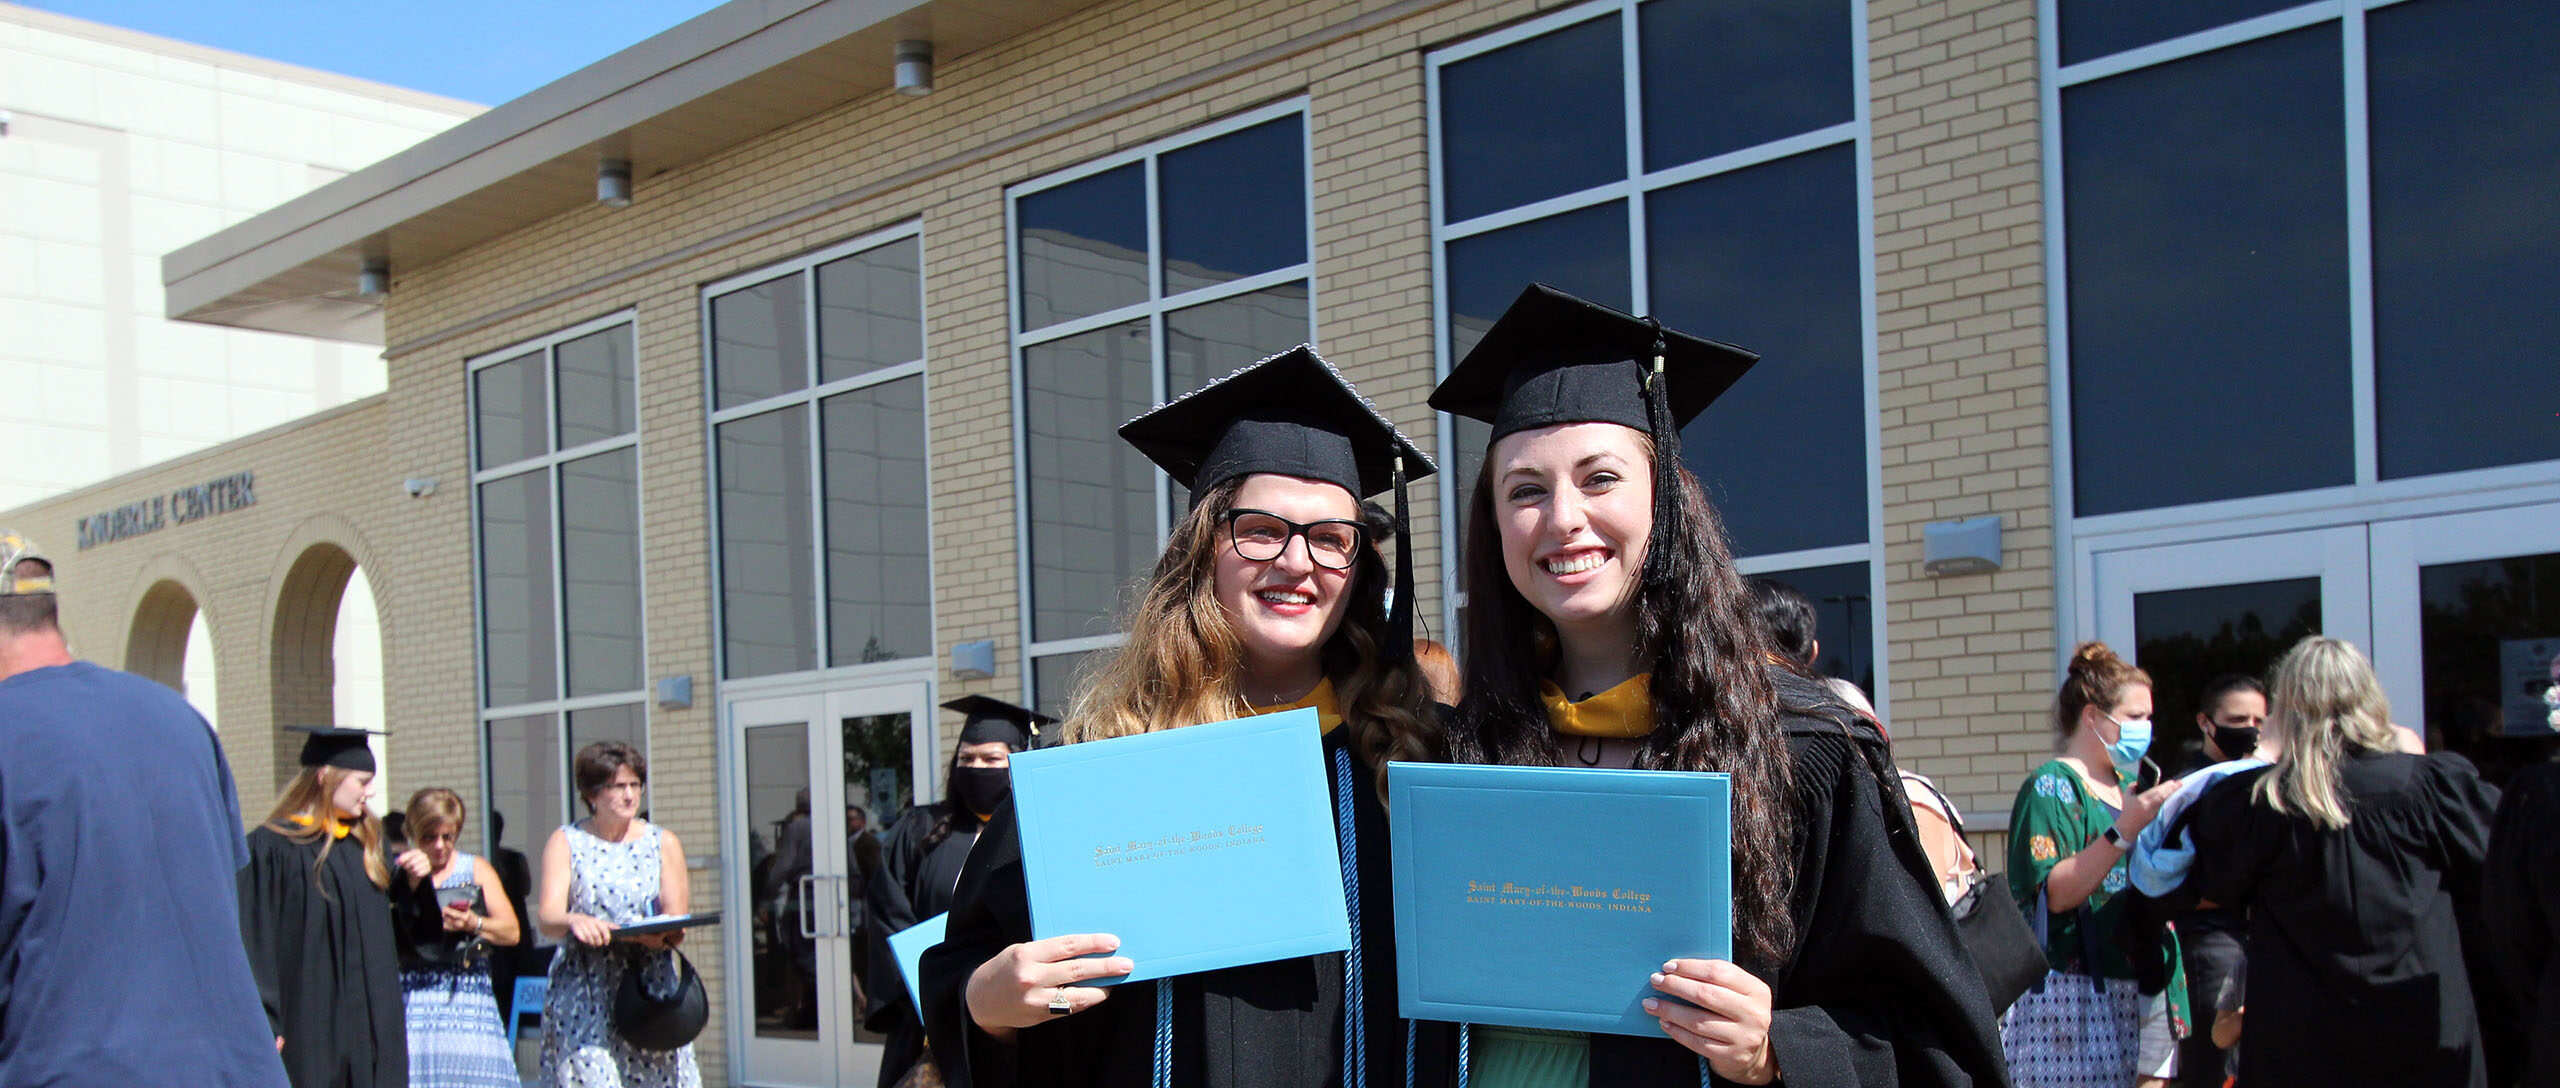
(120, 954)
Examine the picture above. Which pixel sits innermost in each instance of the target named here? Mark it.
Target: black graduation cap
(995, 719)
(1556, 358)
(336, 746)
(1290, 414)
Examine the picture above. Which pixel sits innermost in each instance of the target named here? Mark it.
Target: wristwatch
(2115, 838)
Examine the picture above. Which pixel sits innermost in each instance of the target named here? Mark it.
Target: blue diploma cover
(1203, 847)
(908, 946)
(1546, 897)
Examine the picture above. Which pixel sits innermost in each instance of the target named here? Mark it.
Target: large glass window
(556, 519)
(818, 424)
(1733, 213)
(1137, 279)
(2301, 243)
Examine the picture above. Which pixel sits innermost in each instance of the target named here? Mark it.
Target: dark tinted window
(1084, 246)
(600, 571)
(1054, 680)
(1767, 258)
(879, 583)
(2095, 28)
(595, 387)
(1584, 252)
(759, 342)
(1233, 206)
(1844, 620)
(2188, 638)
(525, 779)
(2490, 639)
(768, 589)
(510, 411)
(515, 589)
(1770, 69)
(870, 311)
(2206, 213)
(1091, 495)
(1529, 121)
(2466, 232)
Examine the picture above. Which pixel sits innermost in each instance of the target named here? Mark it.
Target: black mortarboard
(336, 746)
(1554, 358)
(995, 719)
(1290, 414)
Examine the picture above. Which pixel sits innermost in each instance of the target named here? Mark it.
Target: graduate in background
(318, 926)
(921, 862)
(1268, 597)
(1606, 626)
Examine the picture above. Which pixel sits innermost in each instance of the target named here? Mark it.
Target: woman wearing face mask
(2229, 716)
(1267, 597)
(922, 859)
(2074, 820)
(1607, 627)
(318, 926)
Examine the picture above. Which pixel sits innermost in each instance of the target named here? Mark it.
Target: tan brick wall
(1960, 294)
(321, 489)
(1962, 377)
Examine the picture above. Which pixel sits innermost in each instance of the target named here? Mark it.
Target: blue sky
(485, 51)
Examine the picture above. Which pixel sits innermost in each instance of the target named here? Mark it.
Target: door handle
(800, 890)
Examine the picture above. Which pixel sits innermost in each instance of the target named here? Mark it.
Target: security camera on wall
(419, 487)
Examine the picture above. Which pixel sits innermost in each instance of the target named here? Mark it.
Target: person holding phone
(609, 870)
(449, 909)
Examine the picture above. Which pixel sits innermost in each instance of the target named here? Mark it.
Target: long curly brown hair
(1714, 706)
(307, 797)
(1180, 664)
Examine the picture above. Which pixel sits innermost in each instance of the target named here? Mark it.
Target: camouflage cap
(16, 549)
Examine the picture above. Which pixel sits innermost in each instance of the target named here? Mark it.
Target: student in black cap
(1606, 626)
(921, 862)
(317, 923)
(1268, 597)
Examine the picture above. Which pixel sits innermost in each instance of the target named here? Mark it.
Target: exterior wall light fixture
(915, 67)
(613, 183)
(373, 277)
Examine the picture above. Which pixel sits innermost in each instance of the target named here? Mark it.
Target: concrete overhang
(729, 75)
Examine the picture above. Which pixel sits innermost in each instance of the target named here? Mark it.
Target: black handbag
(654, 1021)
(2004, 948)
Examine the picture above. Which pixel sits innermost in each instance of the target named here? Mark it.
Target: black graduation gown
(2520, 909)
(327, 968)
(2353, 952)
(1880, 990)
(911, 883)
(1266, 1025)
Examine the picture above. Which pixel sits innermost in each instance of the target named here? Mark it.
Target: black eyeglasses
(1260, 536)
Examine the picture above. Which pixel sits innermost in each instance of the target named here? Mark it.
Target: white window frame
(1633, 187)
(1153, 310)
(2369, 498)
(810, 396)
(560, 706)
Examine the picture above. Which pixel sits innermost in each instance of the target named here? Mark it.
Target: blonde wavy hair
(2324, 703)
(1180, 664)
(307, 797)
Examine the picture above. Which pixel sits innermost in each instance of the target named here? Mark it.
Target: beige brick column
(1966, 429)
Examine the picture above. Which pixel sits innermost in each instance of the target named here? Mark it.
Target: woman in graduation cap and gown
(317, 923)
(1267, 598)
(1607, 627)
(921, 862)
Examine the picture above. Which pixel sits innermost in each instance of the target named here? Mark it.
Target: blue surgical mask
(2133, 738)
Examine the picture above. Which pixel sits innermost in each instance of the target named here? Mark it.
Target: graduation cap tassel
(1666, 446)
(1400, 616)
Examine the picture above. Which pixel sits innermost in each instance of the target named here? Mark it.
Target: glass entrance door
(2467, 631)
(814, 780)
(2188, 613)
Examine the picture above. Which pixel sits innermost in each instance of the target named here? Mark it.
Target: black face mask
(2236, 741)
(981, 789)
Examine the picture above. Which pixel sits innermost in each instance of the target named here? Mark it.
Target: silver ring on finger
(1058, 1002)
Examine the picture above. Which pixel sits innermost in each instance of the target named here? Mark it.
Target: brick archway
(155, 644)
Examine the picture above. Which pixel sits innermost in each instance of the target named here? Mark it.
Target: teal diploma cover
(1546, 897)
(908, 946)
(1203, 847)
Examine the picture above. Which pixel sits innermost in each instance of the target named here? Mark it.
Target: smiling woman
(1267, 598)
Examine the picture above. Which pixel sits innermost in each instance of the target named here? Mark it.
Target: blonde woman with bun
(2349, 856)
(2069, 830)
